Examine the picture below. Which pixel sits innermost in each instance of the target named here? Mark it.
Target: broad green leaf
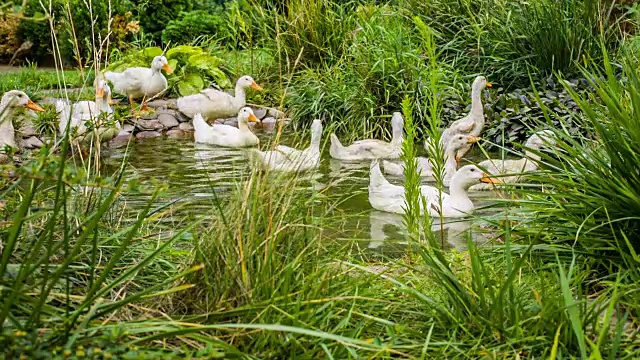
(220, 77)
(183, 51)
(204, 61)
(151, 52)
(173, 64)
(190, 84)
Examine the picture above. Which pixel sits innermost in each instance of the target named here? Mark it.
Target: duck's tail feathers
(376, 179)
(336, 145)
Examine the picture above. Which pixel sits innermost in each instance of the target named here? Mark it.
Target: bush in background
(155, 15)
(198, 24)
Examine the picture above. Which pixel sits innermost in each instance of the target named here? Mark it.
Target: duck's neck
(397, 135)
(102, 105)
(243, 125)
(315, 141)
(7, 132)
(241, 96)
(476, 101)
(458, 193)
(450, 165)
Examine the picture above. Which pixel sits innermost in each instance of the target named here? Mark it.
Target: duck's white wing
(134, 78)
(215, 95)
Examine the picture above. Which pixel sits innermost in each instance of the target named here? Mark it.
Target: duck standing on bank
(370, 149)
(214, 104)
(141, 83)
(226, 135)
(385, 196)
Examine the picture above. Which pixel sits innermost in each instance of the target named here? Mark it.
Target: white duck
(140, 82)
(11, 102)
(515, 169)
(371, 148)
(287, 159)
(84, 110)
(425, 165)
(216, 104)
(227, 135)
(473, 123)
(94, 112)
(385, 196)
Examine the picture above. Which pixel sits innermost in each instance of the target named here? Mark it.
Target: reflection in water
(389, 228)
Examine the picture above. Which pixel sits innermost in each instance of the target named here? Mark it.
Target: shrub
(504, 38)
(156, 14)
(74, 30)
(8, 32)
(195, 24)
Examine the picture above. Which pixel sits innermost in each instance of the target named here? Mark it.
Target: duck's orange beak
(255, 86)
(99, 93)
(33, 106)
(473, 139)
(457, 159)
(489, 180)
(489, 84)
(110, 100)
(253, 118)
(167, 69)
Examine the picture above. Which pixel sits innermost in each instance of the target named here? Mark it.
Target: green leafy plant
(193, 68)
(190, 26)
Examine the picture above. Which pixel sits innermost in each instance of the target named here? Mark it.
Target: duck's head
(470, 175)
(103, 91)
(480, 83)
(17, 98)
(316, 126)
(161, 63)
(459, 142)
(397, 121)
(246, 114)
(541, 139)
(247, 81)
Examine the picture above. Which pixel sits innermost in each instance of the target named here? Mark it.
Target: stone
(252, 125)
(168, 121)
(185, 126)
(124, 133)
(161, 103)
(149, 125)
(260, 113)
(275, 113)
(27, 130)
(122, 139)
(32, 142)
(148, 135)
(232, 122)
(269, 120)
(176, 133)
(128, 128)
(182, 117)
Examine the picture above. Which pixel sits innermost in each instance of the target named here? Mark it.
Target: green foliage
(594, 200)
(507, 39)
(193, 68)
(198, 24)
(155, 15)
(80, 26)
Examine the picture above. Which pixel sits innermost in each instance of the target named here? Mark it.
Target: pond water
(196, 174)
